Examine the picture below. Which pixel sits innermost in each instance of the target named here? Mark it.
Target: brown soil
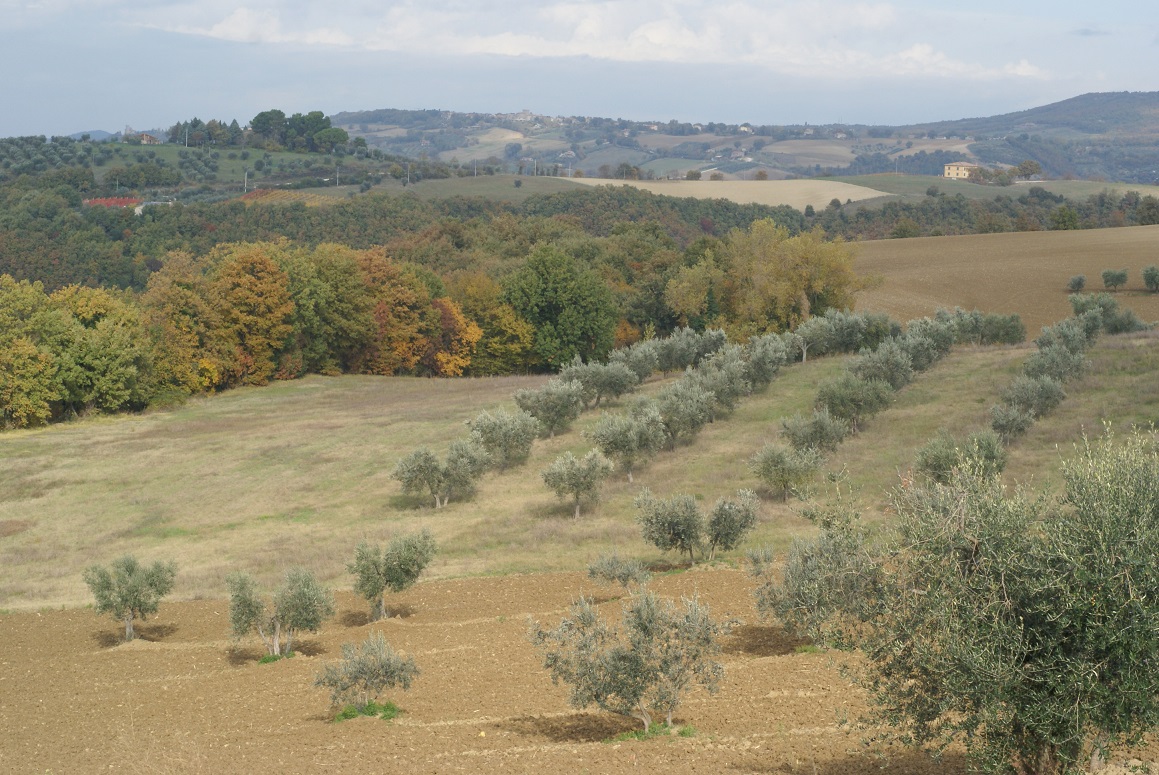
(185, 698)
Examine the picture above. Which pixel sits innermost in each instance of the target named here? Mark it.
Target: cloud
(1089, 32)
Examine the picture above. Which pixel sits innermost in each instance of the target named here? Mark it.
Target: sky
(79, 65)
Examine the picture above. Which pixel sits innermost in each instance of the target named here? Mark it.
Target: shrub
(1114, 278)
(507, 436)
(301, 604)
(821, 431)
(555, 405)
(1036, 395)
(397, 568)
(783, 470)
(1076, 283)
(889, 363)
(579, 478)
(731, 520)
(850, 398)
(672, 523)
(365, 672)
(643, 666)
(1151, 278)
(1010, 422)
(610, 568)
(129, 590)
(632, 439)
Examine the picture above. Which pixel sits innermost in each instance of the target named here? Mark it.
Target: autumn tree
(507, 340)
(251, 295)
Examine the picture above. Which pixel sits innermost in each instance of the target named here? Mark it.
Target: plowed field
(188, 699)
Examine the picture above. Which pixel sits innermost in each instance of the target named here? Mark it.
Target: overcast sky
(73, 65)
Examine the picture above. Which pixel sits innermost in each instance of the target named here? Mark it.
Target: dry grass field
(795, 193)
(1024, 272)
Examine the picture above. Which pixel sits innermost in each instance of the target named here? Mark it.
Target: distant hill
(1117, 114)
(96, 135)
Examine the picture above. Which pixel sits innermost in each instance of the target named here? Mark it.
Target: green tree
(1113, 279)
(853, 399)
(943, 455)
(365, 672)
(890, 363)
(821, 431)
(570, 307)
(641, 668)
(1076, 283)
(1151, 278)
(301, 604)
(27, 384)
(396, 568)
(685, 408)
(455, 476)
(129, 590)
(579, 478)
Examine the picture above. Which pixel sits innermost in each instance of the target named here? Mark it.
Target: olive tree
(1151, 278)
(129, 590)
(396, 568)
(671, 523)
(1009, 422)
(1114, 278)
(579, 478)
(820, 431)
(599, 380)
(631, 439)
(641, 668)
(1076, 283)
(853, 399)
(365, 672)
(608, 568)
(1036, 395)
(556, 405)
(784, 470)
(1033, 636)
(944, 454)
(731, 520)
(890, 363)
(456, 476)
(640, 357)
(507, 436)
(685, 408)
(300, 604)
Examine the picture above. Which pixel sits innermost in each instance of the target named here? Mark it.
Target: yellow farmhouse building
(960, 170)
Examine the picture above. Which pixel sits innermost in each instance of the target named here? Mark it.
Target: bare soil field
(1024, 272)
(795, 193)
(188, 699)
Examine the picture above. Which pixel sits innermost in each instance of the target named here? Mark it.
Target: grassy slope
(915, 186)
(299, 472)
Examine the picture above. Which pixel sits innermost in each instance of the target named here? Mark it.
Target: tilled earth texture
(185, 698)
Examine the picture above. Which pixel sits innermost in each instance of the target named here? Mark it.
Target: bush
(579, 478)
(610, 568)
(821, 431)
(1151, 278)
(365, 672)
(673, 523)
(889, 363)
(1076, 283)
(556, 405)
(783, 470)
(1010, 422)
(850, 398)
(129, 590)
(1114, 278)
(643, 666)
(731, 520)
(397, 568)
(300, 604)
(1037, 395)
(506, 436)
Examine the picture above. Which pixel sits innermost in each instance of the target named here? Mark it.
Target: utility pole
(246, 181)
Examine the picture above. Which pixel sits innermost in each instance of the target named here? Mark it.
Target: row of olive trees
(1113, 279)
(1020, 627)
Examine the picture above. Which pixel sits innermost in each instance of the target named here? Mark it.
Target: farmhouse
(960, 170)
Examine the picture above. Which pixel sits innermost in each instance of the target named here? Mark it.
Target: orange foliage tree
(251, 294)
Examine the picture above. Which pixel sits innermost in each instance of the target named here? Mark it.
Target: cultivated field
(795, 193)
(915, 186)
(1024, 272)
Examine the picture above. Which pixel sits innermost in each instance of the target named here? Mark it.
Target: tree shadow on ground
(362, 618)
(572, 728)
(107, 640)
(756, 640)
(153, 633)
(240, 656)
(309, 648)
(895, 763)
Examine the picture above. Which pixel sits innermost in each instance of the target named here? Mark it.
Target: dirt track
(188, 699)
